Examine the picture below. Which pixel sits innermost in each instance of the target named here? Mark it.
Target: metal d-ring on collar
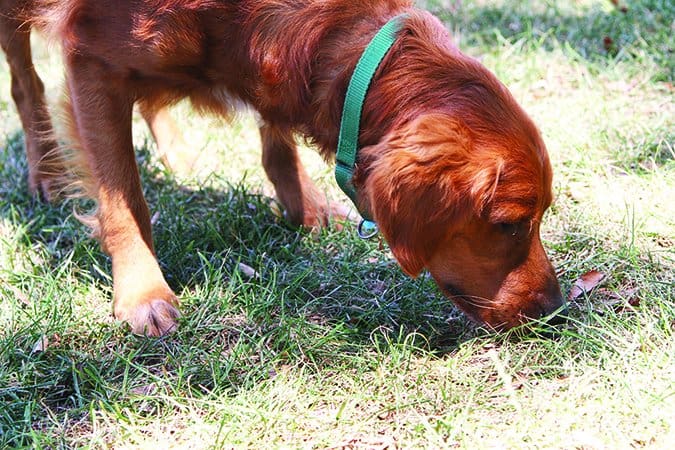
(350, 124)
(367, 229)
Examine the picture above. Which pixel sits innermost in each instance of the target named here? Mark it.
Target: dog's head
(460, 181)
(464, 200)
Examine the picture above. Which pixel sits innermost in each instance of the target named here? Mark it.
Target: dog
(451, 169)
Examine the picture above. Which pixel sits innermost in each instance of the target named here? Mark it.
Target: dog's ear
(425, 180)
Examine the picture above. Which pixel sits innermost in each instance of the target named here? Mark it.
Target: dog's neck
(304, 67)
(303, 82)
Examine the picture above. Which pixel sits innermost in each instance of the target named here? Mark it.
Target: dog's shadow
(257, 293)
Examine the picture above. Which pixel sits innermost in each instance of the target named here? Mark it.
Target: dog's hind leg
(174, 153)
(303, 202)
(28, 94)
(102, 112)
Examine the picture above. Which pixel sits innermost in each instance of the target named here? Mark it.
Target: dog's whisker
(475, 301)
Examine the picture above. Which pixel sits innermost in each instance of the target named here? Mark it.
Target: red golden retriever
(452, 170)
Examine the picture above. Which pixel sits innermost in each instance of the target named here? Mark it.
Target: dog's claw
(153, 318)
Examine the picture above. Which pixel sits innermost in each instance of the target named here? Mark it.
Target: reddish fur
(28, 95)
(46, 161)
(447, 153)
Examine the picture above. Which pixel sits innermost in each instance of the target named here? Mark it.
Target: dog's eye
(510, 229)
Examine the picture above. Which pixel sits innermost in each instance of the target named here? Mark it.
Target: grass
(330, 345)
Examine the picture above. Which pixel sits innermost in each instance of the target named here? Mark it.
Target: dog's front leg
(102, 121)
(304, 203)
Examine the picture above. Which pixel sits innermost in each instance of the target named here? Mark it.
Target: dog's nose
(559, 316)
(554, 308)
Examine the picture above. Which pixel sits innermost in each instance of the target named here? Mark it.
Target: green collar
(348, 141)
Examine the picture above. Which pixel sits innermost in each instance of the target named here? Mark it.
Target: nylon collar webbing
(348, 141)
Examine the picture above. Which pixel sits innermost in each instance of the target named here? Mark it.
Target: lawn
(328, 344)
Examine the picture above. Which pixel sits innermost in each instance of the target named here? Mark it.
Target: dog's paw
(154, 317)
(339, 213)
(178, 158)
(333, 214)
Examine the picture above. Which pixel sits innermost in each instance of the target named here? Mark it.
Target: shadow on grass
(206, 230)
(318, 300)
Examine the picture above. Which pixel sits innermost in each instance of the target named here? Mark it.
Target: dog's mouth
(452, 291)
(471, 307)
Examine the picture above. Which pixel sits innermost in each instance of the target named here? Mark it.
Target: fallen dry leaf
(41, 344)
(622, 8)
(144, 390)
(624, 300)
(23, 298)
(629, 306)
(608, 43)
(585, 283)
(248, 271)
